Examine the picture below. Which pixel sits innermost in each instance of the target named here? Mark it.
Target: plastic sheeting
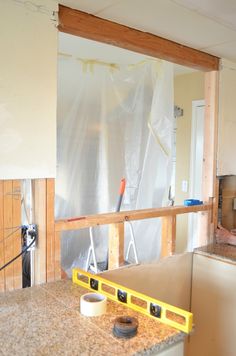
(113, 122)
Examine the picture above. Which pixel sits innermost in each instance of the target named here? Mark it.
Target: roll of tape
(93, 304)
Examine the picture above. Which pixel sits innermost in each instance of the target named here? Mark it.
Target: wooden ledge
(114, 218)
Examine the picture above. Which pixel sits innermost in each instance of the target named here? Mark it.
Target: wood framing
(47, 267)
(116, 245)
(50, 245)
(209, 188)
(2, 247)
(81, 24)
(114, 218)
(168, 235)
(16, 237)
(10, 234)
(40, 218)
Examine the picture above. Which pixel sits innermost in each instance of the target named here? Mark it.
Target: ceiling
(207, 25)
(78, 47)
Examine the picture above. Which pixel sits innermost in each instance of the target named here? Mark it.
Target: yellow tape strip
(154, 308)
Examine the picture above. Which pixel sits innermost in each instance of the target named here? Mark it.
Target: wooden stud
(51, 244)
(39, 189)
(114, 218)
(168, 235)
(215, 204)
(116, 246)
(206, 231)
(16, 237)
(81, 24)
(8, 240)
(2, 258)
(57, 256)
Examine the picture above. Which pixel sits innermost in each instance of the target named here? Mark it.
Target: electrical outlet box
(234, 203)
(31, 234)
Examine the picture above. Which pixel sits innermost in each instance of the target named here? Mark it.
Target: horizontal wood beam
(114, 218)
(81, 24)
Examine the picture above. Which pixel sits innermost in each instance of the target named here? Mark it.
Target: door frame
(192, 222)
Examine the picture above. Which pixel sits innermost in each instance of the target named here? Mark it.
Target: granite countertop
(221, 251)
(45, 320)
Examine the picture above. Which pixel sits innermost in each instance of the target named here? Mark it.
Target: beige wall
(187, 87)
(213, 307)
(227, 119)
(28, 89)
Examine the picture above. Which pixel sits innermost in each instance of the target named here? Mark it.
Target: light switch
(184, 186)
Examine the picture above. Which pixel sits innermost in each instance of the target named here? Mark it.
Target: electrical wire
(20, 254)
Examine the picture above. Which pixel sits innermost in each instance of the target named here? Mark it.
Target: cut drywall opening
(227, 202)
(122, 134)
(189, 95)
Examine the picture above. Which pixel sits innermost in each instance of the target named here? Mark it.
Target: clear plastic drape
(113, 122)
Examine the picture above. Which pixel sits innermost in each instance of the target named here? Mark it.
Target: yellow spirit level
(154, 308)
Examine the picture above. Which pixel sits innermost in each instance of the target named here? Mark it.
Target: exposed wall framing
(91, 27)
(10, 234)
(116, 222)
(209, 181)
(47, 255)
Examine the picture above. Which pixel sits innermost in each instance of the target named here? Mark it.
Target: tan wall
(227, 119)
(213, 307)
(187, 87)
(28, 90)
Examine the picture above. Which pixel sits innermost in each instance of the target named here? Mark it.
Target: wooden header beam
(81, 24)
(114, 218)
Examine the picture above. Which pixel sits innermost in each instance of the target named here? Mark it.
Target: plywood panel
(16, 237)
(2, 247)
(50, 191)
(8, 240)
(57, 256)
(40, 219)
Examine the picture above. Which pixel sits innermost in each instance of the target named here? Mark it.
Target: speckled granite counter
(45, 320)
(219, 251)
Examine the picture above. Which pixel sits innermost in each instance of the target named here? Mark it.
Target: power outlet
(31, 235)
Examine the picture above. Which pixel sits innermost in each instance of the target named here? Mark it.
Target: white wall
(28, 77)
(227, 119)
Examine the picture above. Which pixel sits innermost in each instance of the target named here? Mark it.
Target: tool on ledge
(121, 194)
(191, 202)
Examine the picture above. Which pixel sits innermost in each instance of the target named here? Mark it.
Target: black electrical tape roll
(125, 327)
